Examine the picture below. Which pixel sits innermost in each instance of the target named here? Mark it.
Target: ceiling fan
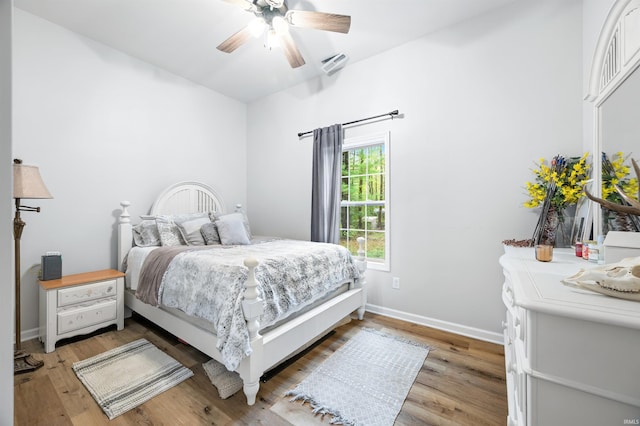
(273, 20)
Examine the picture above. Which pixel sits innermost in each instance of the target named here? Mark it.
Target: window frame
(381, 138)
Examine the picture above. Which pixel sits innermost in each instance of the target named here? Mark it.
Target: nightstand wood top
(83, 278)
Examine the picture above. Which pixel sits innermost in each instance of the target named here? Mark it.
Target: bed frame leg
(251, 391)
(250, 370)
(251, 367)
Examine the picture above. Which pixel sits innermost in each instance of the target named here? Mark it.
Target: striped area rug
(123, 378)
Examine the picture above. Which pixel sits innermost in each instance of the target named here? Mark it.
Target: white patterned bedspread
(208, 284)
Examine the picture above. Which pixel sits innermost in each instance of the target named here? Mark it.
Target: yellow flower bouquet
(616, 173)
(557, 185)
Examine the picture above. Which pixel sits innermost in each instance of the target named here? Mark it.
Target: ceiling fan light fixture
(273, 23)
(280, 25)
(272, 39)
(257, 27)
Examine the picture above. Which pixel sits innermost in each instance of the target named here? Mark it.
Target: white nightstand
(80, 304)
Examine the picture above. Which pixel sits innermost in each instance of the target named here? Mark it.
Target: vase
(556, 228)
(549, 227)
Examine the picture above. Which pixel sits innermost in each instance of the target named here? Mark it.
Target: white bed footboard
(269, 349)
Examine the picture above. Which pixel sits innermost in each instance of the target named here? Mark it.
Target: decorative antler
(633, 208)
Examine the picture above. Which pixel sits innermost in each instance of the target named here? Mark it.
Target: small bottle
(600, 249)
(585, 250)
(593, 252)
(579, 248)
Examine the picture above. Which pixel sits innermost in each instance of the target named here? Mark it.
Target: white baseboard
(28, 334)
(463, 330)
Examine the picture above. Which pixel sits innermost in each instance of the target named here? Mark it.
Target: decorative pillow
(189, 227)
(232, 231)
(235, 216)
(145, 234)
(209, 233)
(169, 232)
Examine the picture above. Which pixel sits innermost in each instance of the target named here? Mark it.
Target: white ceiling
(181, 36)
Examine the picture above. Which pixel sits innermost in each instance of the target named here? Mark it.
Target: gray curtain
(325, 198)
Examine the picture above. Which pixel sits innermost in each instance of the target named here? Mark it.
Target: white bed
(274, 345)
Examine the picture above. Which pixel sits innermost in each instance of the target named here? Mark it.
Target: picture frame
(583, 221)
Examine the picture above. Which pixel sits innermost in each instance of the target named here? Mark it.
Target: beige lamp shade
(27, 182)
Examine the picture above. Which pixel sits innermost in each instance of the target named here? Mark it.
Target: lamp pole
(18, 226)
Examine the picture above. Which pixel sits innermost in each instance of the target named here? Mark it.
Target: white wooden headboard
(187, 197)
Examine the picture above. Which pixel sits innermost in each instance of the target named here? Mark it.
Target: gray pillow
(169, 232)
(189, 227)
(145, 234)
(232, 232)
(235, 216)
(209, 233)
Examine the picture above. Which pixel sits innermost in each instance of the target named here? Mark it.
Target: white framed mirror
(614, 89)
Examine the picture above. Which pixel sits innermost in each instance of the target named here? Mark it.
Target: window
(365, 194)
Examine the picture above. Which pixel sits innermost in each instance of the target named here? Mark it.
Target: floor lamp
(27, 183)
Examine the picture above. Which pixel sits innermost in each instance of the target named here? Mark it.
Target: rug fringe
(398, 338)
(317, 408)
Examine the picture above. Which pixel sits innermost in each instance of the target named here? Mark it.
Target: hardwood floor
(462, 382)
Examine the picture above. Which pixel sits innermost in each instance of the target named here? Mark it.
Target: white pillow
(232, 232)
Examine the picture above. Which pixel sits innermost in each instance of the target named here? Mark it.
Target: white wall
(105, 127)
(481, 101)
(6, 209)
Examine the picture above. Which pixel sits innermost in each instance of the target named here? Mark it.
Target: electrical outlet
(395, 283)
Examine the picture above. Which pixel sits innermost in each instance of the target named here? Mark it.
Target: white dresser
(572, 356)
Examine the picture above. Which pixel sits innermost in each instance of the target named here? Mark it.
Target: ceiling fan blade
(235, 41)
(290, 50)
(319, 20)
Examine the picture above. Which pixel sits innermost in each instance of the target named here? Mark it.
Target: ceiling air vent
(334, 63)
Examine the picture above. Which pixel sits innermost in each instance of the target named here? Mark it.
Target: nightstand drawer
(85, 293)
(85, 316)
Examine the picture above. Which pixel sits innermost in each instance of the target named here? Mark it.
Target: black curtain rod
(392, 114)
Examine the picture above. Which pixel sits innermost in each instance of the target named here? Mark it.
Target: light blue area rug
(366, 381)
(125, 377)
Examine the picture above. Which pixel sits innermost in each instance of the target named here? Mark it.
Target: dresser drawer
(85, 293)
(85, 316)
